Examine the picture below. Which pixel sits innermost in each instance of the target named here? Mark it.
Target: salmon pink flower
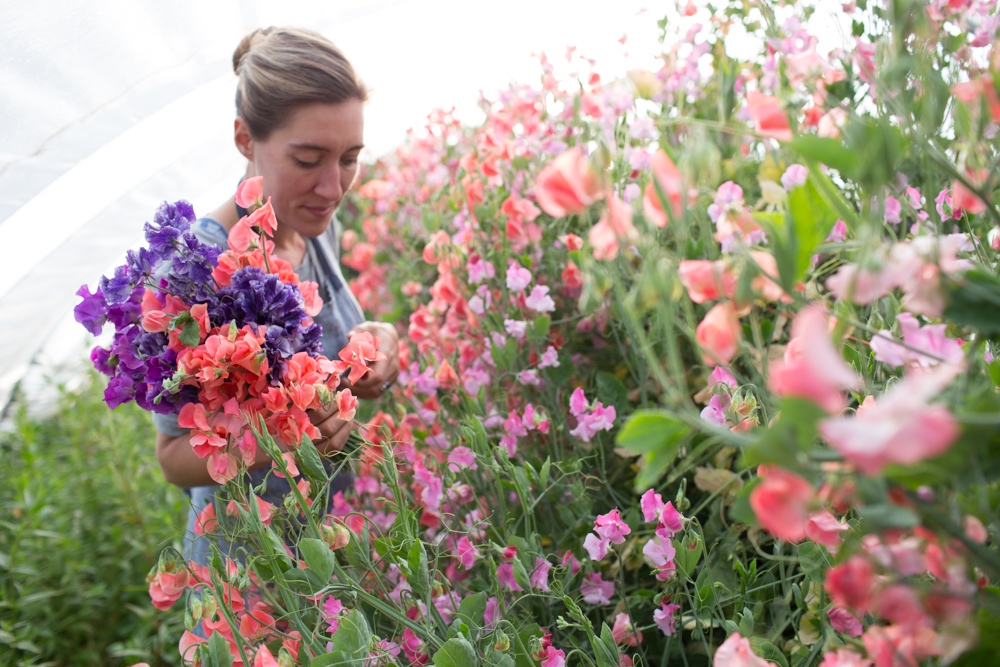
(615, 225)
(845, 622)
(925, 346)
(719, 334)
(823, 528)
(781, 502)
(347, 404)
(900, 428)
(623, 631)
(167, 587)
(673, 186)
(812, 368)
(359, 352)
(851, 583)
(704, 280)
(568, 185)
(250, 192)
(769, 117)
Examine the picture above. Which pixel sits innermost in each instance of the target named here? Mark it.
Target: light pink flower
(539, 300)
(674, 189)
(929, 339)
(664, 617)
(844, 658)
(812, 368)
(595, 590)
(736, 652)
(553, 657)
(902, 427)
(838, 233)
(492, 614)
(540, 575)
(596, 547)
(516, 328)
(795, 176)
(623, 632)
(550, 358)
(892, 210)
(518, 277)
(461, 457)
(659, 553)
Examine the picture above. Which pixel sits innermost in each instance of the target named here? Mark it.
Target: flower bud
(195, 607)
(336, 536)
(502, 642)
(285, 658)
(208, 606)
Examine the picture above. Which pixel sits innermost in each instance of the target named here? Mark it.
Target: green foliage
(84, 514)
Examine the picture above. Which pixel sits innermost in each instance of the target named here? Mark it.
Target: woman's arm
(182, 467)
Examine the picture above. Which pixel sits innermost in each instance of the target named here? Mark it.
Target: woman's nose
(329, 186)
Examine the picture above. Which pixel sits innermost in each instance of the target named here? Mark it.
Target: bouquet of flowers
(221, 338)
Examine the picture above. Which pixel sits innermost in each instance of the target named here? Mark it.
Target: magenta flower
(540, 575)
(505, 575)
(596, 547)
(466, 552)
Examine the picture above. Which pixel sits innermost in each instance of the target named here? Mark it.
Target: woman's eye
(305, 164)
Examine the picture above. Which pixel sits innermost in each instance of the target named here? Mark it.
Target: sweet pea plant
(698, 369)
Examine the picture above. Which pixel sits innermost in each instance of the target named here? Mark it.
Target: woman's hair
(280, 69)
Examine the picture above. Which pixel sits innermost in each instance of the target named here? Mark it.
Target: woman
(299, 122)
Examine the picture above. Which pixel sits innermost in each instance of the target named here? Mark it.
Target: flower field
(698, 369)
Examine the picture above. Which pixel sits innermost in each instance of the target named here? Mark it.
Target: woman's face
(309, 163)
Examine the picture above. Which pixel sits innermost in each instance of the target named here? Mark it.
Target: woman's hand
(383, 373)
(333, 431)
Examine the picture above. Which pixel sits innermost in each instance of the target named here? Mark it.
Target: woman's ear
(241, 136)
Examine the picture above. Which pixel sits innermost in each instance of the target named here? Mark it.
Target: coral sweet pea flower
(768, 115)
(250, 192)
(568, 185)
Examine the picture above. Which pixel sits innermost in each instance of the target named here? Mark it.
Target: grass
(84, 514)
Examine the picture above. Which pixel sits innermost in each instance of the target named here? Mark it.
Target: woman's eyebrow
(317, 147)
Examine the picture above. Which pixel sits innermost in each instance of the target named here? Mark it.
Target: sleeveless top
(341, 312)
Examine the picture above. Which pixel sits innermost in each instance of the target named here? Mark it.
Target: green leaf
(310, 462)
(418, 578)
(974, 301)
(689, 553)
(830, 152)
(353, 638)
(886, 516)
(218, 649)
(335, 659)
(605, 649)
(318, 557)
(994, 369)
(648, 431)
(472, 610)
(190, 334)
(611, 391)
(812, 217)
(456, 652)
(791, 436)
(813, 561)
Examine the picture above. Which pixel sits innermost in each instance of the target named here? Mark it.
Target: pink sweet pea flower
(812, 368)
(665, 619)
(539, 300)
(492, 614)
(615, 224)
(651, 504)
(769, 117)
(623, 631)
(568, 184)
(736, 652)
(719, 334)
(659, 553)
(250, 192)
(901, 427)
(539, 579)
(823, 528)
(781, 502)
(505, 576)
(466, 552)
(930, 339)
(706, 281)
(553, 657)
(845, 658)
(518, 277)
(674, 188)
(595, 590)
(596, 547)
(844, 621)
(611, 527)
(795, 176)
(550, 358)
(851, 583)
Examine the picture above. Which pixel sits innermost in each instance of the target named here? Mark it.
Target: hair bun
(247, 44)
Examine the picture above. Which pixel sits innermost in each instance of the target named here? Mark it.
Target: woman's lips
(320, 211)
